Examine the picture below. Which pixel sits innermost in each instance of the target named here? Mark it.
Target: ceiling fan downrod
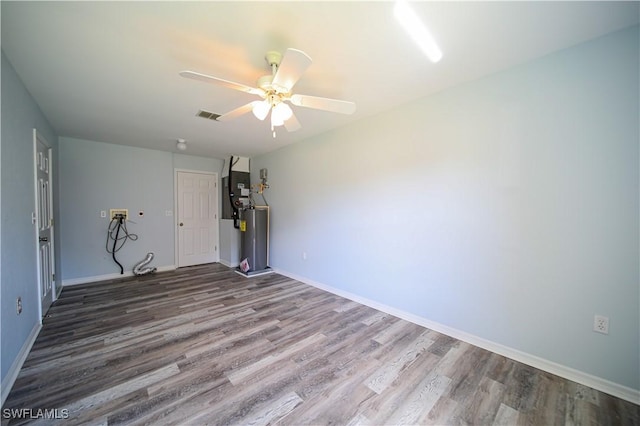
(273, 58)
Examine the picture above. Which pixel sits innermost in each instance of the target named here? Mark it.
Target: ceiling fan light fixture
(261, 109)
(283, 111)
(276, 119)
(280, 113)
(417, 30)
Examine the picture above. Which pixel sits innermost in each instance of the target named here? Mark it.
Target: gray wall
(20, 115)
(97, 176)
(229, 243)
(506, 208)
(200, 164)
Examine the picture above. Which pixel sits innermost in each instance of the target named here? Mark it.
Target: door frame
(38, 137)
(175, 212)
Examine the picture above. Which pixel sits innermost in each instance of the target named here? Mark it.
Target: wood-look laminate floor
(203, 345)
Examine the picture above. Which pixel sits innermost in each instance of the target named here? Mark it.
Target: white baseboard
(97, 278)
(12, 374)
(229, 264)
(598, 383)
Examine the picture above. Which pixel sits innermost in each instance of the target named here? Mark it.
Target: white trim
(229, 264)
(38, 137)
(255, 274)
(12, 374)
(598, 383)
(98, 278)
(176, 247)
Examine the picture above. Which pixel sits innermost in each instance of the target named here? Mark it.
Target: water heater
(254, 241)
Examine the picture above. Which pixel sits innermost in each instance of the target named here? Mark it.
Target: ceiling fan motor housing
(264, 83)
(273, 58)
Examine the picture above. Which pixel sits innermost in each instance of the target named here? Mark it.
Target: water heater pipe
(231, 194)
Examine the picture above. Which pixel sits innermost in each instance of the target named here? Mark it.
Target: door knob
(43, 239)
(181, 224)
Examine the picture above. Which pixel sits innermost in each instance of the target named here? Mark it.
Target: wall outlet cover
(601, 324)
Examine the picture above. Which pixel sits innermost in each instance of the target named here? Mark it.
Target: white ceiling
(108, 71)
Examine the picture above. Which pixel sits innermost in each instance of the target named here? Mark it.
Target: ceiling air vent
(208, 114)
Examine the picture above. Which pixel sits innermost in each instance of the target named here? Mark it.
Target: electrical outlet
(19, 305)
(601, 324)
(123, 212)
(103, 213)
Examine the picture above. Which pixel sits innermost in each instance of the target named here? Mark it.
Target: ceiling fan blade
(294, 64)
(292, 124)
(325, 104)
(221, 82)
(236, 112)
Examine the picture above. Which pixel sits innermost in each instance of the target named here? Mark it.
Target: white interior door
(44, 220)
(197, 215)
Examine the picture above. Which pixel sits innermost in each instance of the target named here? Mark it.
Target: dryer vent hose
(140, 269)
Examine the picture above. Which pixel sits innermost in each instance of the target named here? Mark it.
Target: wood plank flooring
(203, 345)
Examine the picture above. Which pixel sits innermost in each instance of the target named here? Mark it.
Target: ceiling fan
(275, 91)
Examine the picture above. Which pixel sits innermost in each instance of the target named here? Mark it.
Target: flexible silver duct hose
(139, 269)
